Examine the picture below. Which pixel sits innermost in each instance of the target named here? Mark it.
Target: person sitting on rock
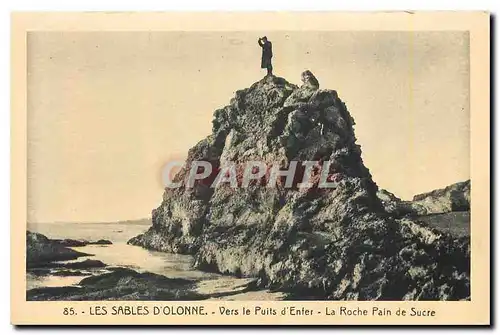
(267, 55)
(309, 80)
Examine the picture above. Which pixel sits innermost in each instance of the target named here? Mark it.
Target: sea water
(120, 254)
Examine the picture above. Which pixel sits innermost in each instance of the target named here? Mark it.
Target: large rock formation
(335, 243)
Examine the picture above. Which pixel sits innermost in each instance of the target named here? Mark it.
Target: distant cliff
(336, 243)
(453, 198)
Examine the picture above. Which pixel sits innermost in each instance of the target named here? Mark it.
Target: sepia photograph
(266, 164)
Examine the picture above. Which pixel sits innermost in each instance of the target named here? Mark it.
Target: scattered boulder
(71, 243)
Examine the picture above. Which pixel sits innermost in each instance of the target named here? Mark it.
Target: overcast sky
(107, 109)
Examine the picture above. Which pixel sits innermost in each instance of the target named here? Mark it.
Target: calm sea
(137, 258)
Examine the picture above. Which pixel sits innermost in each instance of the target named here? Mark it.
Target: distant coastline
(143, 221)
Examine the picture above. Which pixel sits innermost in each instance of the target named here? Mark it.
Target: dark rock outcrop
(41, 250)
(86, 264)
(81, 243)
(120, 284)
(335, 243)
(101, 242)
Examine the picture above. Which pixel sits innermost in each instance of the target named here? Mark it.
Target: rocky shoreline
(99, 281)
(40, 250)
(342, 243)
(46, 256)
(119, 284)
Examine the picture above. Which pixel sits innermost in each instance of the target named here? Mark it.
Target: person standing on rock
(267, 55)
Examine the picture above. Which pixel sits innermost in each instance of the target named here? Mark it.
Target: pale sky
(106, 110)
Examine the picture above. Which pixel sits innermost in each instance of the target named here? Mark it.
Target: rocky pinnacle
(336, 243)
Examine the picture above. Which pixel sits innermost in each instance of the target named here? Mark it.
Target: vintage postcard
(250, 168)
